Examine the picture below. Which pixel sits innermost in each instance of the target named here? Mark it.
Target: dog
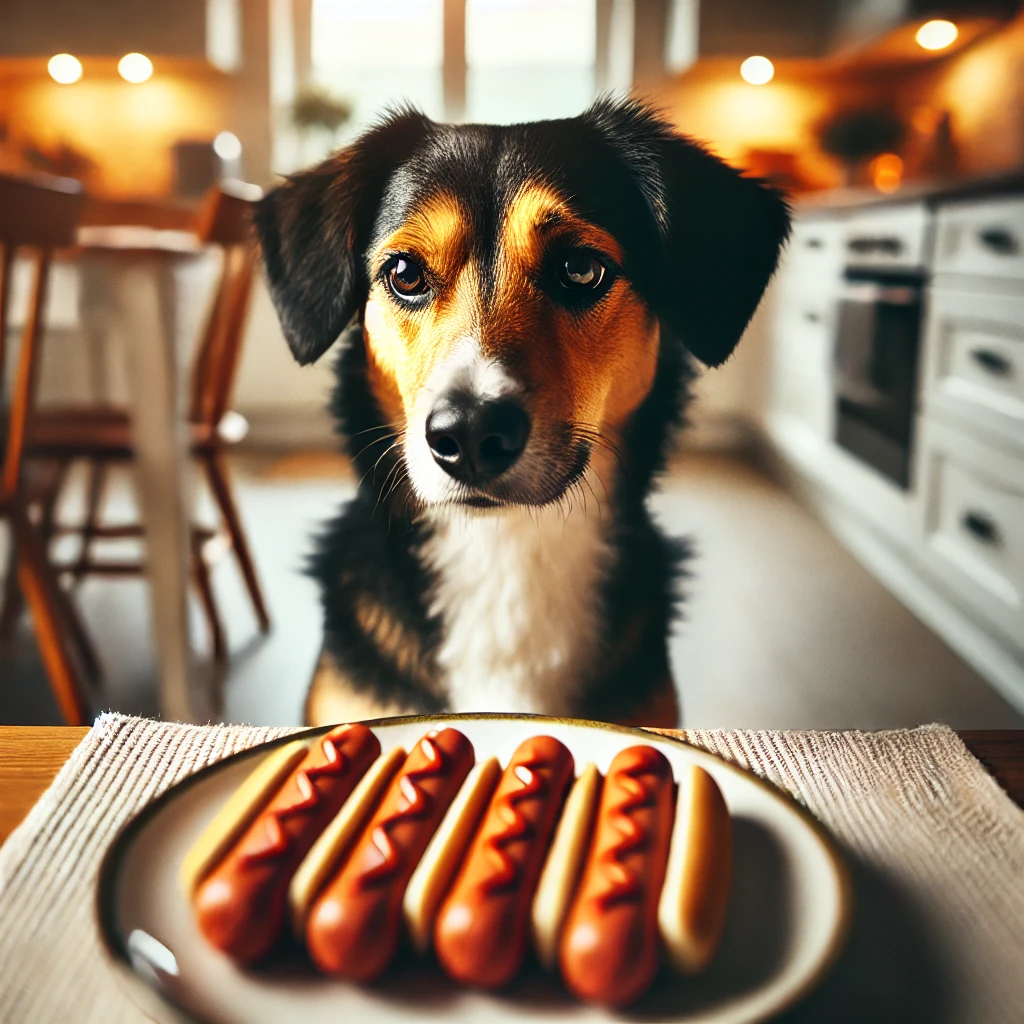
(516, 308)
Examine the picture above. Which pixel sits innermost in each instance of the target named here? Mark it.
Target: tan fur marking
(603, 361)
(592, 368)
(538, 214)
(394, 642)
(437, 233)
(405, 345)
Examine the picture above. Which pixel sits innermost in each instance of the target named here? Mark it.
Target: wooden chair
(38, 216)
(101, 435)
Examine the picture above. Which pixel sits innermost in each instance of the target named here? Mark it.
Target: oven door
(875, 370)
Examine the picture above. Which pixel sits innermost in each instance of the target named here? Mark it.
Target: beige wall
(983, 89)
(126, 130)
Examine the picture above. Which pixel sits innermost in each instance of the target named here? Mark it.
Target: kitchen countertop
(31, 756)
(931, 192)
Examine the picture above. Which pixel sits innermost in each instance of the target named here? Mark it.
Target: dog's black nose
(476, 441)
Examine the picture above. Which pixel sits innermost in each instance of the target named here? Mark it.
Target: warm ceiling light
(227, 146)
(936, 35)
(886, 172)
(64, 68)
(757, 70)
(135, 67)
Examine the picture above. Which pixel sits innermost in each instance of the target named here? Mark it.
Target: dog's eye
(580, 271)
(405, 276)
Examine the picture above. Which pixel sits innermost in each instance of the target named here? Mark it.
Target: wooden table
(148, 290)
(30, 757)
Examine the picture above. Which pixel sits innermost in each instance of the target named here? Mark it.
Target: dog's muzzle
(475, 440)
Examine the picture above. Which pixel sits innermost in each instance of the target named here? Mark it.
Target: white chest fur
(518, 594)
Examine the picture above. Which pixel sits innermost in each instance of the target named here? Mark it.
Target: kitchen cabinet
(971, 526)
(951, 543)
(974, 360)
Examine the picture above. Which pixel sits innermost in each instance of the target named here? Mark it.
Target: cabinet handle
(982, 527)
(887, 244)
(812, 318)
(994, 362)
(815, 243)
(999, 240)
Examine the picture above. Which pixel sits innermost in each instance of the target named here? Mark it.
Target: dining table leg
(158, 301)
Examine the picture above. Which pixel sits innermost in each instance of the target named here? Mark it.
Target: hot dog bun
(336, 839)
(695, 898)
(441, 860)
(563, 866)
(238, 813)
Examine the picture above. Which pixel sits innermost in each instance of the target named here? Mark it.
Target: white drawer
(972, 524)
(888, 237)
(974, 359)
(814, 255)
(982, 238)
(802, 361)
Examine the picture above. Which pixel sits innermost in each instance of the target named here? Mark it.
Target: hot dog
(334, 842)
(481, 931)
(240, 907)
(353, 927)
(609, 948)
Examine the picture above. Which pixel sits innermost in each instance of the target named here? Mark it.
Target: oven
(878, 326)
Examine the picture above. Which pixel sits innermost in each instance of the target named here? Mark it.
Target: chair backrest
(225, 221)
(38, 214)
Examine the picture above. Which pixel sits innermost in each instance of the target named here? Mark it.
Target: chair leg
(40, 589)
(89, 659)
(201, 578)
(93, 504)
(79, 635)
(217, 474)
(13, 602)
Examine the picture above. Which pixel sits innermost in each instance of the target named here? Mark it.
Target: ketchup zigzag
(624, 885)
(417, 803)
(506, 871)
(277, 843)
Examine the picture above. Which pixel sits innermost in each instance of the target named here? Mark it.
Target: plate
(788, 914)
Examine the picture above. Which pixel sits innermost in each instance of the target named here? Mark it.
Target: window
(374, 54)
(528, 59)
(525, 59)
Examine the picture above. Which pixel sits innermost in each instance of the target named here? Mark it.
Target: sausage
(609, 948)
(353, 927)
(240, 907)
(482, 930)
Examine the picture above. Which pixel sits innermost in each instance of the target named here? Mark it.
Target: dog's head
(514, 283)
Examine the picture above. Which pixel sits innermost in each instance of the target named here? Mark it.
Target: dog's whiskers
(395, 436)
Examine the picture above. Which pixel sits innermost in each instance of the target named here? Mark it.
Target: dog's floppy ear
(720, 233)
(314, 228)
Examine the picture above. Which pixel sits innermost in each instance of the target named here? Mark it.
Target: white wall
(283, 401)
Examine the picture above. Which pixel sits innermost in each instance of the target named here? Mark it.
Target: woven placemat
(936, 848)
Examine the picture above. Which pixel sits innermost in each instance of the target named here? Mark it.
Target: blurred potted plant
(857, 136)
(316, 109)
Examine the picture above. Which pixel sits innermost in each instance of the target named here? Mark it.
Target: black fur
(700, 243)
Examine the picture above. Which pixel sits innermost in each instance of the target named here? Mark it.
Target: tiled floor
(782, 627)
